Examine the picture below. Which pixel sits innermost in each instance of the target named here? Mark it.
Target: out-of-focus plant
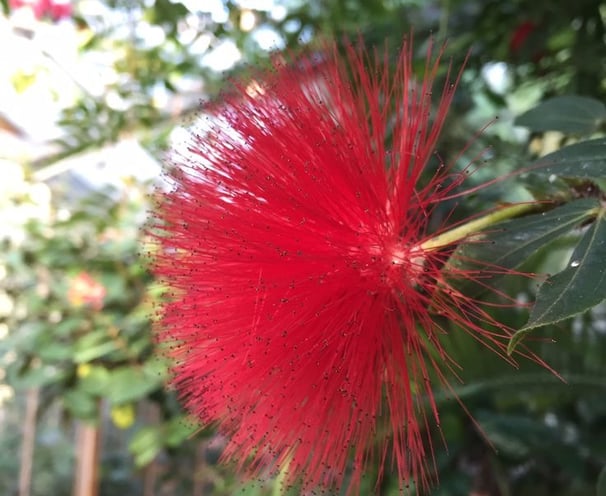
(75, 318)
(77, 309)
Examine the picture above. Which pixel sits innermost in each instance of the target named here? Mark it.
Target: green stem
(443, 24)
(464, 230)
(280, 481)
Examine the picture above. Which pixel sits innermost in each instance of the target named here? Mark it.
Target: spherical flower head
(305, 284)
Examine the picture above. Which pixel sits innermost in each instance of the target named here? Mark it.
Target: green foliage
(568, 114)
(584, 160)
(601, 487)
(88, 345)
(76, 268)
(576, 289)
(80, 329)
(509, 244)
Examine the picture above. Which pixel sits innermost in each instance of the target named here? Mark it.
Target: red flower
(525, 43)
(55, 9)
(520, 36)
(58, 10)
(305, 282)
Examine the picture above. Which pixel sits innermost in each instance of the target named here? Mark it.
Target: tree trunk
(86, 478)
(28, 442)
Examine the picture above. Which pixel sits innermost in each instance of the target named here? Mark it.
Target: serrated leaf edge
(520, 333)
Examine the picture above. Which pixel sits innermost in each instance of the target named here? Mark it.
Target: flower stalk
(471, 227)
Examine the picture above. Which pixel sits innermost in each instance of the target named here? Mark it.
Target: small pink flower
(85, 290)
(54, 9)
(60, 9)
(305, 287)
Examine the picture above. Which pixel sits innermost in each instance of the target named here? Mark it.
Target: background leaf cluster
(534, 435)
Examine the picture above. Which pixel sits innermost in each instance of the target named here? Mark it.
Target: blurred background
(91, 94)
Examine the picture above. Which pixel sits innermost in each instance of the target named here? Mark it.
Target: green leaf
(579, 287)
(581, 160)
(96, 381)
(514, 435)
(508, 244)
(146, 444)
(179, 429)
(601, 488)
(41, 376)
(520, 436)
(568, 114)
(80, 404)
(55, 352)
(131, 384)
(150, 440)
(68, 326)
(94, 345)
(555, 189)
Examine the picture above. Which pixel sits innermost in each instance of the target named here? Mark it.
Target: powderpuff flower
(308, 294)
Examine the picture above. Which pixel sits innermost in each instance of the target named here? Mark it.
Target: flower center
(403, 264)
(394, 264)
